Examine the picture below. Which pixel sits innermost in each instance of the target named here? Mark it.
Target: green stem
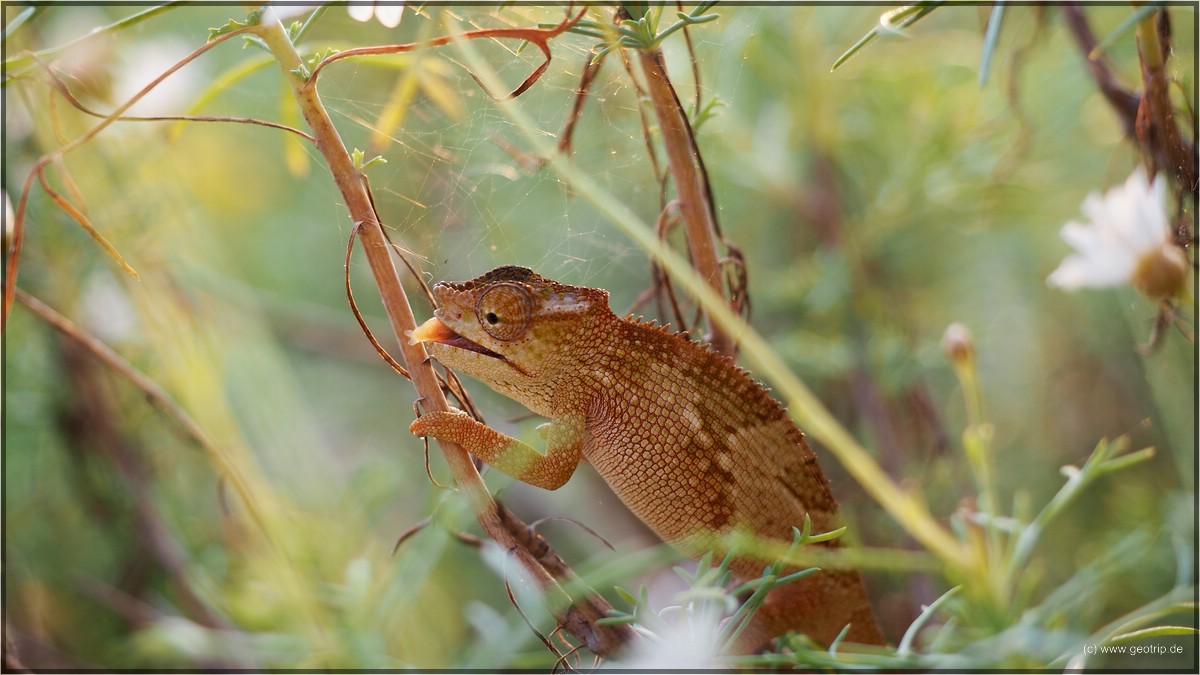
(578, 614)
(683, 157)
(1097, 465)
(18, 63)
(805, 408)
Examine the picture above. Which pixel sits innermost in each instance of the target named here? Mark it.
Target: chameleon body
(688, 441)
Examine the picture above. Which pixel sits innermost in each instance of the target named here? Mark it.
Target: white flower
(388, 14)
(687, 641)
(1128, 241)
(685, 634)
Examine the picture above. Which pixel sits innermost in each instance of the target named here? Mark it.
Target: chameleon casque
(687, 440)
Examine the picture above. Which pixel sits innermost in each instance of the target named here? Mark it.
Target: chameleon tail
(819, 606)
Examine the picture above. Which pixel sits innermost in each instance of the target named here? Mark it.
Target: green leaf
(890, 24)
(989, 42)
(797, 576)
(298, 35)
(1128, 25)
(709, 111)
(626, 596)
(255, 41)
(1124, 461)
(910, 635)
(837, 641)
(21, 20)
(1147, 633)
(636, 10)
(252, 19)
(13, 66)
(358, 157)
(624, 619)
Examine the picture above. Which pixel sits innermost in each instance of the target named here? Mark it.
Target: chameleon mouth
(434, 330)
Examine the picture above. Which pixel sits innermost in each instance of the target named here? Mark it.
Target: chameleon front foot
(441, 424)
(549, 471)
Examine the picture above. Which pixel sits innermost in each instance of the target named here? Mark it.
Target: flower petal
(389, 15)
(1077, 272)
(1127, 223)
(361, 12)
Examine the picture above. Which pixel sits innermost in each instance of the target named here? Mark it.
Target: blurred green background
(875, 205)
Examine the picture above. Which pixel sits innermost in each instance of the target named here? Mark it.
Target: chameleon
(688, 441)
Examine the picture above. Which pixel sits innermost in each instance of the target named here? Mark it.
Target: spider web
(465, 192)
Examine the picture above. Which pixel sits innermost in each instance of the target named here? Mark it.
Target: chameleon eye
(505, 311)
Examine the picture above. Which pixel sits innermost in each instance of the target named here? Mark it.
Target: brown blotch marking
(720, 511)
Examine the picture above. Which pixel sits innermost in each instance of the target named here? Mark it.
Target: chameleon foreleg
(564, 442)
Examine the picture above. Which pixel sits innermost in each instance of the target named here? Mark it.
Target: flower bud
(957, 344)
(1161, 273)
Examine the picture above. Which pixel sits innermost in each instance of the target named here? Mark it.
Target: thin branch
(154, 393)
(14, 259)
(1123, 101)
(362, 322)
(18, 62)
(536, 36)
(449, 382)
(62, 88)
(354, 190)
(83, 221)
(591, 68)
(91, 427)
(1160, 136)
(694, 200)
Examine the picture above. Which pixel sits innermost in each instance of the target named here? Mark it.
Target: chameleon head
(509, 326)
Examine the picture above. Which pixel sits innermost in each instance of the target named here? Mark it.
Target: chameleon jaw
(434, 330)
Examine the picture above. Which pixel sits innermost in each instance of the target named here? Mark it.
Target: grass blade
(889, 24)
(910, 635)
(989, 42)
(1129, 24)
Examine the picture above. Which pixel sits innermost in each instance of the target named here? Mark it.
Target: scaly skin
(688, 441)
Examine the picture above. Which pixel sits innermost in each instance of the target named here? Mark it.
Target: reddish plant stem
(689, 184)
(537, 36)
(90, 427)
(577, 615)
(1160, 135)
(14, 257)
(1124, 102)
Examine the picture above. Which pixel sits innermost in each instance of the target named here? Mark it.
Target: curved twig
(580, 614)
(14, 260)
(1123, 101)
(512, 598)
(564, 519)
(562, 661)
(62, 88)
(537, 36)
(155, 394)
(84, 222)
(362, 323)
(448, 382)
(407, 534)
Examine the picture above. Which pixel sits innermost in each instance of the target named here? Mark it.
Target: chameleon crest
(687, 440)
